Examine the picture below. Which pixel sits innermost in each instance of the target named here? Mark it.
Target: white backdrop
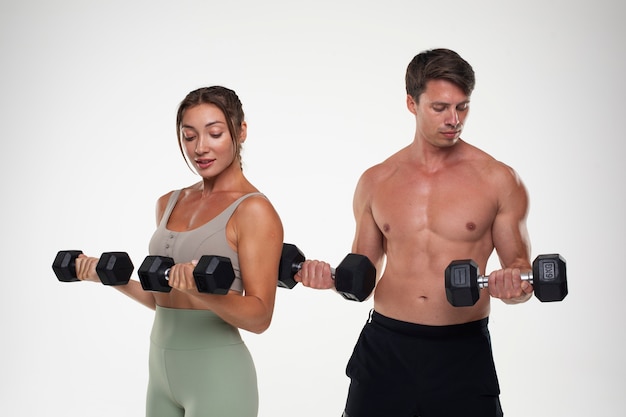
(89, 91)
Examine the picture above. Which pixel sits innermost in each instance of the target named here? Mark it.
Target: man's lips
(451, 133)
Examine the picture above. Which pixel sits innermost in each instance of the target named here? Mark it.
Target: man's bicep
(510, 233)
(368, 240)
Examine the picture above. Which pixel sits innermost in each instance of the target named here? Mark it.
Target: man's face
(441, 112)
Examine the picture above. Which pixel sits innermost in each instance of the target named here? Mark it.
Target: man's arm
(368, 238)
(511, 240)
(368, 241)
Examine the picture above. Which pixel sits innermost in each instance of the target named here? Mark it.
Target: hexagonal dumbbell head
(153, 273)
(114, 268)
(64, 265)
(462, 283)
(549, 278)
(290, 259)
(214, 274)
(355, 277)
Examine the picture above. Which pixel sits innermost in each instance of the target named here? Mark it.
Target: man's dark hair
(438, 64)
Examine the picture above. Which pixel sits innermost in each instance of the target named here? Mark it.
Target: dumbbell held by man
(355, 276)
(548, 277)
(113, 268)
(212, 274)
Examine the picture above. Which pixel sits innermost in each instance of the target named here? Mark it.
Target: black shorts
(401, 369)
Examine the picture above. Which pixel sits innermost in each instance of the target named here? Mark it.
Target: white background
(89, 91)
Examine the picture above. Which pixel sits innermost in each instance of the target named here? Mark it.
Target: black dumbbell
(113, 268)
(355, 277)
(548, 277)
(213, 274)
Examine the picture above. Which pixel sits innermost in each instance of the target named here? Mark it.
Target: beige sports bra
(208, 239)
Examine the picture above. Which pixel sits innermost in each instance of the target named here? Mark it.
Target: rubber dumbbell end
(290, 259)
(153, 273)
(549, 278)
(114, 268)
(64, 265)
(214, 274)
(461, 282)
(355, 277)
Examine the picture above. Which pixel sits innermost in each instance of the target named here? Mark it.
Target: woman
(198, 362)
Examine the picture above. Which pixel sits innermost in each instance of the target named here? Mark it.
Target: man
(434, 201)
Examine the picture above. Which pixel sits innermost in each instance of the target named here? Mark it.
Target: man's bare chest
(456, 211)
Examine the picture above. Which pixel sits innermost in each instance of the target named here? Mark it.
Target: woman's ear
(244, 132)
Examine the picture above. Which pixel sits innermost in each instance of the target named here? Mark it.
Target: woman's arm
(86, 271)
(256, 232)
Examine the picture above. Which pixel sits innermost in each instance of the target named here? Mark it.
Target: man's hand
(315, 274)
(507, 285)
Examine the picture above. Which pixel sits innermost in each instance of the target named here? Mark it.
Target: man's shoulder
(472, 152)
(388, 165)
(380, 172)
(475, 155)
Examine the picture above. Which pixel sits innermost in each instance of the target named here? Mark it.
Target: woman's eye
(189, 138)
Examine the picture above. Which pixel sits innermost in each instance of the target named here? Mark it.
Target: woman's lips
(204, 163)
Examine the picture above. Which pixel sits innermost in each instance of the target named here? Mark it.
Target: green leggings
(199, 366)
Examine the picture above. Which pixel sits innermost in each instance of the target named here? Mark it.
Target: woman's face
(206, 139)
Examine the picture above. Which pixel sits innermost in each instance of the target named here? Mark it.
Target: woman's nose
(202, 145)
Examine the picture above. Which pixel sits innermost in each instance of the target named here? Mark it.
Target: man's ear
(411, 104)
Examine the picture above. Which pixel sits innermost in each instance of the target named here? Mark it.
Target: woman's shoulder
(163, 199)
(254, 201)
(255, 206)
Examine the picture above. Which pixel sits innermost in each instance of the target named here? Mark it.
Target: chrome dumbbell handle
(483, 280)
(297, 267)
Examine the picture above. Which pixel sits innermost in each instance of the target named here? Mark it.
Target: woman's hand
(86, 268)
(180, 277)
